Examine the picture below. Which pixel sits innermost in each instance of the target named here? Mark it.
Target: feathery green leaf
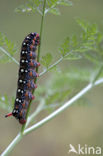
(46, 60)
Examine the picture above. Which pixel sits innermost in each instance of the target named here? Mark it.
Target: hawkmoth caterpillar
(26, 76)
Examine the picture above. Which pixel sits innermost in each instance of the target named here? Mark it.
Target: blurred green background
(78, 124)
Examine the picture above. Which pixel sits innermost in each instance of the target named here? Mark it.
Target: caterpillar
(26, 76)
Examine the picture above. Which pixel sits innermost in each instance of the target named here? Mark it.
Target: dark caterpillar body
(27, 75)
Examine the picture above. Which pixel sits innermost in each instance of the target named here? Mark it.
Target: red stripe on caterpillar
(27, 75)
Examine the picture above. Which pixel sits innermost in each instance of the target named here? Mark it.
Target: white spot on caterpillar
(22, 91)
(24, 43)
(20, 101)
(15, 111)
(26, 71)
(28, 37)
(22, 61)
(17, 100)
(26, 61)
(23, 52)
(24, 82)
(20, 81)
(22, 70)
(32, 33)
(19, 90)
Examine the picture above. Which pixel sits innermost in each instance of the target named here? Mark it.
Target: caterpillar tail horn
(10, 114)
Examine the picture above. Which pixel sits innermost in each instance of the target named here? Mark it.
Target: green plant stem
(41, 32)
(51, 116)
(11, 57)
(36, 112)
(56, 63)
(12, 145)
(38, 57)
(63, 107)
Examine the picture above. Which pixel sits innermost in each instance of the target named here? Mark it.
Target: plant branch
(51, 116)
(53, 65)
(62, 108)
(12, 145)
(41, 31)
(11, 57)
(36, 112)
(38, 57)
